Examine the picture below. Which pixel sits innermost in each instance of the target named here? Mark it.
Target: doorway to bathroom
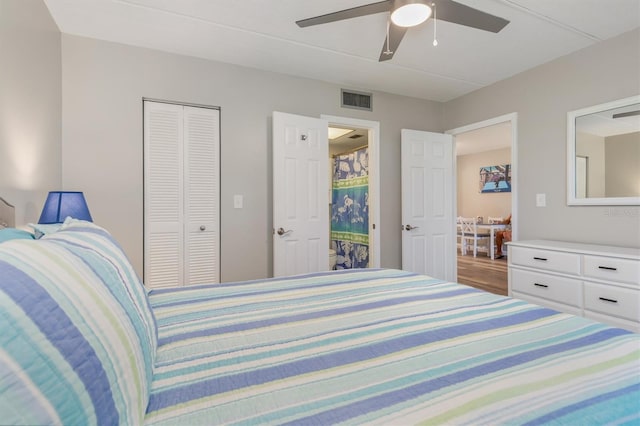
(348, 198)
(354, 207)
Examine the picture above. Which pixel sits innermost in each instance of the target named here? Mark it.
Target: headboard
(7, 215)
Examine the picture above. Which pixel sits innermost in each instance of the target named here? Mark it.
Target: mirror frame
(572, 200)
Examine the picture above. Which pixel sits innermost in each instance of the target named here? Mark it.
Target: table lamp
(60, 204)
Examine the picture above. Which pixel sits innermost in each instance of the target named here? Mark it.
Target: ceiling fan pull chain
(388, 52)
(435, 23)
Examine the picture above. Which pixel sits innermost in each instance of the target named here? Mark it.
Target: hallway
(483, 273)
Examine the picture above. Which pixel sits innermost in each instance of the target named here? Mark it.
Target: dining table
(492, 227)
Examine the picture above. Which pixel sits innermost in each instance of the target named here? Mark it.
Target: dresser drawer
(612, 269)
(616, 301)
(568, 263)
(563, 290)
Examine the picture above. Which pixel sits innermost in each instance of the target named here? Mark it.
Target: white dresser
(597, 282)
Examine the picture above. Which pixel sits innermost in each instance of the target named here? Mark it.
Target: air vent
(356, 100)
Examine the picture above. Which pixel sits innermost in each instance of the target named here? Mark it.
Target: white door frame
(374, 179)
(513, 119)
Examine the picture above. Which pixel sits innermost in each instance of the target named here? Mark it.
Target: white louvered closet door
(163, 194)
(181, 195)
(202, 147)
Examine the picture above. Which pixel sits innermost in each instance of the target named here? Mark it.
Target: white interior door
(300, 194)
(427, 204)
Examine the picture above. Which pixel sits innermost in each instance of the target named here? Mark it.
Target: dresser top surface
(593, 249)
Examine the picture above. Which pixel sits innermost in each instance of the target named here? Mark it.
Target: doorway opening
(348, 198)
(354, 207)
(487, 145)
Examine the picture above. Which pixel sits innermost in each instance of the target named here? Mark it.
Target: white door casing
(427, 204)
(300, 194)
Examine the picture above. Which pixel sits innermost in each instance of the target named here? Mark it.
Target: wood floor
(483, 273)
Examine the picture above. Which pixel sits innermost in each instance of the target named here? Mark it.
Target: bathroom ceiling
(262, 34)
(356, 138)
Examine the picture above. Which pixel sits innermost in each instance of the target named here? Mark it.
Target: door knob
(409, 227)
(282, 232)
(202, 227)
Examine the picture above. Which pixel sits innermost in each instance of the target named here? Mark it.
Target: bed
(84, 342)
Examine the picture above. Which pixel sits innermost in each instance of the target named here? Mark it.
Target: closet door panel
(202, 186)
(163, 198)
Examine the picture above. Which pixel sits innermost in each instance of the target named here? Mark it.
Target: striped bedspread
(383, 347)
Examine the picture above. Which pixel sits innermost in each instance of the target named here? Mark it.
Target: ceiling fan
(409, 13)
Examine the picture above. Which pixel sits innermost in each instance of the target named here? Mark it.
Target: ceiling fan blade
(354, 12)
(395, 36)
(457, 13)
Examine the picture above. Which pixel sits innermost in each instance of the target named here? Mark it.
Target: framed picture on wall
(495, 178)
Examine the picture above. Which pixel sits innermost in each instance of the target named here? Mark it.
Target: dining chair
(470, 235)
(459, 233)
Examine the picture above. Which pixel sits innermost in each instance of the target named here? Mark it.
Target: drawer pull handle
(604, 299)
(608, 268)
(540, 258)
(540, 285)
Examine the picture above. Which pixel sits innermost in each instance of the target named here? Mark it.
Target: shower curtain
(350, 209)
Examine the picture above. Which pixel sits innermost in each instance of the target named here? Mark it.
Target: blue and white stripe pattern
(78, 338)
(78, 346)
(383, 347)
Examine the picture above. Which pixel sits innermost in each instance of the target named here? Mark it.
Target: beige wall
(542, 97)
(473, 203)
(622, 158)
(592, 147)
(103, 86)
(30, 106)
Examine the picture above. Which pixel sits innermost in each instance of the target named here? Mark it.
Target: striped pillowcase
(78, 337)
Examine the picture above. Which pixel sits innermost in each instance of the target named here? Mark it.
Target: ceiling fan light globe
(409, 13)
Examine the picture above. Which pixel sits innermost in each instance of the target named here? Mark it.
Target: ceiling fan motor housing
(409, 13)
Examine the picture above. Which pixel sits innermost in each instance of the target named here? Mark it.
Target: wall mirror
(603, 154)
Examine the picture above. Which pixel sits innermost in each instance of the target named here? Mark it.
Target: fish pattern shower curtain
(350, 209)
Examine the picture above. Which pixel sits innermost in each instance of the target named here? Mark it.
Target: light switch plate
(237, 201)
(541, 200)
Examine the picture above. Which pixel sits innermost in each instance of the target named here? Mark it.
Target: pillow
(78, 337)
(137, 292)
(42, 229)
(7, 234)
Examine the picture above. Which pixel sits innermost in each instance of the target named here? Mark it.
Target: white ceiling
(262, 34)
(488, 138)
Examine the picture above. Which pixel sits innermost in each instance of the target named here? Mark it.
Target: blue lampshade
(61, 204)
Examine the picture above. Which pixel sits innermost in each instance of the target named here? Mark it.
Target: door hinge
(374, 226)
